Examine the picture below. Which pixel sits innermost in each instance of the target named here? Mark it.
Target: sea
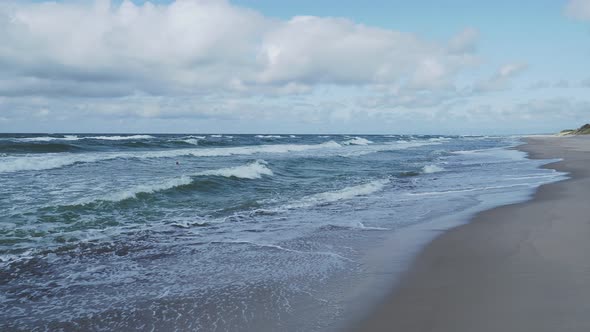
(211, 232)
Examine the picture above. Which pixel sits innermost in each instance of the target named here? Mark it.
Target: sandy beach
(521, 267)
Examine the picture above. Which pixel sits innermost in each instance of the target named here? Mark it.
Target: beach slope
(521, 267)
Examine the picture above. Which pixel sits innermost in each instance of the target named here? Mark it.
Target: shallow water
(222, 232)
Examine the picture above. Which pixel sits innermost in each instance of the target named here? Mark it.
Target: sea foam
(58, 160)
(254, 170)
(120, 138)
(432, 169)
(342, 194)
(357, 141)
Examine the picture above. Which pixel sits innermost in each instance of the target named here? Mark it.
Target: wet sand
(520, 267)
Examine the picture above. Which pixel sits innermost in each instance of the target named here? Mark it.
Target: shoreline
(516, 267)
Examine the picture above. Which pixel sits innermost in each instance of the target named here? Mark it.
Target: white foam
(268, 136)
(447, 192)
(49, 138)
(47, 161)
(192, 141)
(439, 139)
(76, 138)
(389, 146)
(360, 225)
(253, 170)
(120, 138)
(56, 160)
(357, 141)
(144, 189)
(432, 169)
(342, 194)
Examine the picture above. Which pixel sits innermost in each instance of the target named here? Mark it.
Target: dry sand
(521, 267)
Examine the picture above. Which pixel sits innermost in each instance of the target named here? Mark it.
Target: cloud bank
(209, 65)
(578, 9)
(202, 46)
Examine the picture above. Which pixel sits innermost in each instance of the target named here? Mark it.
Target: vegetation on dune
(583, 130)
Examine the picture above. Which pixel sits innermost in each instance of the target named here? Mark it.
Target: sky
(263, 66)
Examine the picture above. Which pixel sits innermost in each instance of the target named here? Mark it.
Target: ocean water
(224, 232)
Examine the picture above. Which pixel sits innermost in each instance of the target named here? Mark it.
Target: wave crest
(428, 169)
(51, 161)
(252, 171)
(342, 194)
(357, 141)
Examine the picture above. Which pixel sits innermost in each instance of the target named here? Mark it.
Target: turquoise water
(220, 232)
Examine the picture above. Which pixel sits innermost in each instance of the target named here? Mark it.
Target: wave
(432, 169)
(446, 192)
(342, 194)
(77, 138)
(47, 138)
(34, 147)
(390, 146)
(193, 141)
(143, 189)
(268, 136)
(58, 160)
(357, 141)
(440, 139)
(254, 170)
(360, 225)
(47, 161)
(120, 138)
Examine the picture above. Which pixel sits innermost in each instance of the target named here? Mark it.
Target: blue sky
(456, 66)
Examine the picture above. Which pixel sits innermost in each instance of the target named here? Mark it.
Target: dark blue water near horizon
(223, 232)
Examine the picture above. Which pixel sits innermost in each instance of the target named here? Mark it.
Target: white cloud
(501, 79)
(193, 47)
(578, 9)
(466, 41)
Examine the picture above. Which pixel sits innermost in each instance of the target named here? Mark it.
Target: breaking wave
(432, 169)
(357, 141)
(342, 194)
(120, 138)
(58, 160)
(48, 138)
(268, 136)
(391, 146)
(254, 170)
